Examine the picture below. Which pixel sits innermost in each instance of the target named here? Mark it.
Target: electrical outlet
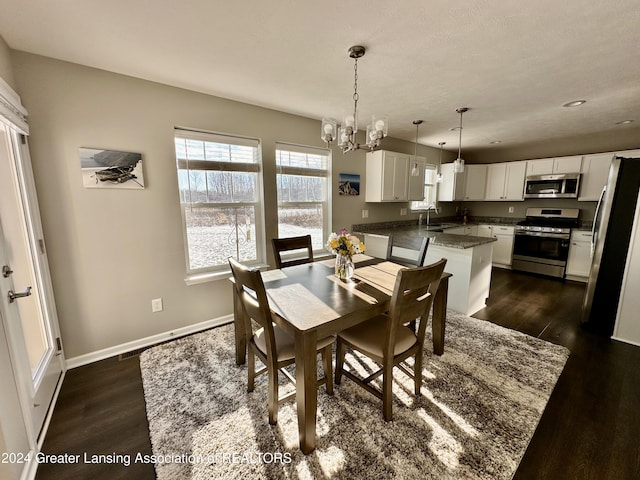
(156, 305)
(365, 213)
(510, 209)
(403, 211)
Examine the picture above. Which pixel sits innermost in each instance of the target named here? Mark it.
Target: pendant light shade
(458, 164)
(415, 171)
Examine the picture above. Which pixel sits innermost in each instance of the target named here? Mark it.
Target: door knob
(13, 296)
(6, 271)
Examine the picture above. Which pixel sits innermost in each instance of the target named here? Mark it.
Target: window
(304, 195)
(220, 184)
(430, 190)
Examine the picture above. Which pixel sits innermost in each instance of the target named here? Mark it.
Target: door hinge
(41, 245)
(23, 139)
(59, 344)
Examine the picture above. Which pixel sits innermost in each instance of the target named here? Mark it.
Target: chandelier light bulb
(328, 128)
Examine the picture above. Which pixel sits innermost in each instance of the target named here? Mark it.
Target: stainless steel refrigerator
(612, 228)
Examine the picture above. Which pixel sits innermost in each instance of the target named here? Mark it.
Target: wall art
(349, 184)
(111, 169)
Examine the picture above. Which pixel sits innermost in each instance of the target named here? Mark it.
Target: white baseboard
(630, 342)
(145, 342)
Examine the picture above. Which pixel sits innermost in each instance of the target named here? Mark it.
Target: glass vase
(344, 266)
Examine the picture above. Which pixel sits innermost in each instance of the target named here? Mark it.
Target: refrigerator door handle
(596, 222)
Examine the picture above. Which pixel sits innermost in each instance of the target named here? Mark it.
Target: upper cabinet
(505, 181)
(595, 172)
(548, 166)
(387, 176)
(475, 178)
(453, 184)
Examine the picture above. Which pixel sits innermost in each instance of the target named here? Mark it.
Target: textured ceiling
(514, 64)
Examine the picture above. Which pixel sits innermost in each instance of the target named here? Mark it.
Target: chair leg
(251, 369)
(273, 394)
(387, 383)
(339, 360)
(412, 326)
(328, 371)
(417, 373)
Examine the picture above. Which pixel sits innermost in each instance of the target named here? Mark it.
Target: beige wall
(6, 69)
(111, 252)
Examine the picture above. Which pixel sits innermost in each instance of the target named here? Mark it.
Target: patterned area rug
(481, 403)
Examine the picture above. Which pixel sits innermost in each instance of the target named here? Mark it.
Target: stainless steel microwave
(565, 185)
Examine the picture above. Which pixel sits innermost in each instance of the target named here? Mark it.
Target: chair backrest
(253, 298)
(411, 251)
(412, 298)
(283, 245)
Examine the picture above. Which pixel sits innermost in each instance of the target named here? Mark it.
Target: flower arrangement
(344, 244)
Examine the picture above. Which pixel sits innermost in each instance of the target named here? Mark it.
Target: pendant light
(346, 134)
(439, 175)
(415, 171)
(458, 164)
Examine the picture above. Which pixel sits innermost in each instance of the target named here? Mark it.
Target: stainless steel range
(541, 243)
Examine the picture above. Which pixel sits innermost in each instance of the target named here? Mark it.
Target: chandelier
(458, 164)
(346, 134)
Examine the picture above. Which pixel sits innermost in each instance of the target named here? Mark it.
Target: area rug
(481, 403)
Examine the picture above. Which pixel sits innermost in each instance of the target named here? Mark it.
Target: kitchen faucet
(429, 208)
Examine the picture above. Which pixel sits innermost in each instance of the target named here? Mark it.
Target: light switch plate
(365, 213)
(403, 211)
(156, 305)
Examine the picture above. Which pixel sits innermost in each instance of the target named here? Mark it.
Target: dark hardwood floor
(589, 430)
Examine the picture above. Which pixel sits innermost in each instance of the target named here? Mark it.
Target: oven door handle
(561, 236)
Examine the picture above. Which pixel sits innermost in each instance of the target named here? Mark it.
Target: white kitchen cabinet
(505, 181)
(463, 230)
(416, 182)
(595, 173)
(474, 182)
(485, 231)
(503, 247)
(387, 176)
(451, 188)
(571, 164)
(548, 166)
(579, 260)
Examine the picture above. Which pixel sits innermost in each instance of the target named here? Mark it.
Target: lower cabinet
(503, 248)
(579, 260)
(464, 230)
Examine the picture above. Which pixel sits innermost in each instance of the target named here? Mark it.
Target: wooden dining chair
(272, 345)
(409, 252)
(283, 245)
(386, 340)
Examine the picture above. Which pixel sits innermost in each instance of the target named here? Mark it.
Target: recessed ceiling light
(495, 142)
(624, 122)
(575, 103)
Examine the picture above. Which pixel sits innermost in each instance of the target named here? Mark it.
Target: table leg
(239, 329)
(439, 316)
(306, 389)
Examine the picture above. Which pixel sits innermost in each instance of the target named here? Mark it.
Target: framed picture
(349, 184)
(111, 169)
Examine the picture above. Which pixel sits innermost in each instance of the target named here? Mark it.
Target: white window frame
(197, 275)
(318, 248)
(430, 190)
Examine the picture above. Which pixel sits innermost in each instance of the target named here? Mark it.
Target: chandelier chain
(356, 96)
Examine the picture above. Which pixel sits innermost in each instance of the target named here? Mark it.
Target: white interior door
(28, 308)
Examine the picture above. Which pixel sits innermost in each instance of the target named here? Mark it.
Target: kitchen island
(468, 257)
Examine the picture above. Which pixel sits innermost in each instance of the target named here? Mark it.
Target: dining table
(309, 302)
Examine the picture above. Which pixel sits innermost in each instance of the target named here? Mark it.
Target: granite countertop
(407, 234)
